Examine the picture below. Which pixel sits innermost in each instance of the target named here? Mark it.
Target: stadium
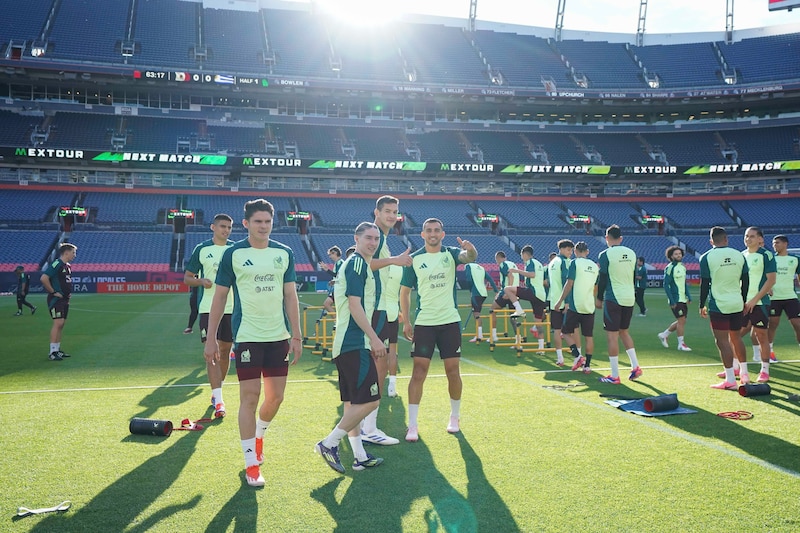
(125, 130)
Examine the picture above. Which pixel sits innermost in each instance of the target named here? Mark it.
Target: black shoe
(33, 310)
(18, 313)
(54, 356)
(63, 354)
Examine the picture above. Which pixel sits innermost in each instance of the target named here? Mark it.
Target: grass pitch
(529, 458)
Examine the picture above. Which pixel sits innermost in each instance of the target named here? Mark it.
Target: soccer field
(528, 458)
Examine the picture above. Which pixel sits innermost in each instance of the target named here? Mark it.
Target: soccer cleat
(587, 370)
(391, 390)
(54, 356)
(253, 476)
(725, 385)
(330, 455)
(517, 314)
(772, 358)
(477, 339)
(378, 437)
(635, 373)
(260, 450)
(763, 377)
(610, 379)
(453, 426)
(219, 410)
(684, 348)
(18, 313)
(642, 314)
(534, 332)
(559, 363)
(213, 401)
(187, 331)
(369, 462)
(578, 363)
(412, 435)
(34, 308)
(722, 374)
(663, 338)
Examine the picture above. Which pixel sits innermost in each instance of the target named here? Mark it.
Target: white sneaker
(663, 338)
(518, 314)
(391, 390)
(684, 348)
(378, 437)
(453, 426)
(412, 435)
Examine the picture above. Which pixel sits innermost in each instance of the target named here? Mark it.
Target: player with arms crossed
(723, 287)
(784, 298)
(615, 287)
(201, 271)
(580, 293)
(676, 285)
(265, 323)
(438, 323)
(356, 346)
(57, 282)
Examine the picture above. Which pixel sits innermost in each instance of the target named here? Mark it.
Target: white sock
(632, 354)
(665, 333)
(393, 380)
(756, 352)
(541, 344)
(517, 306)
(480, 332)
(680, 340)
(261, 428)
(765, 367)
(742, 368)
(358, 448)
(249, 449)
(217, 395)
(771, 348)
(735, 364)
(494, 333)
(54, 346)
(335, 437)
(413, 413)
(455, 408)
(370, 424)
(730, 377)
(614, 365)
(559, 355)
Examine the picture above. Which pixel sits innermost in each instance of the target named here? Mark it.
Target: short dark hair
(614, 232)
(335, 250)
(385, 199)
(581, 246)
(758, 231)
(565, 243)
(499, 253)
(527, 249)
(640, 258)
(349, 251)
(433, 221)
(718, 234)
(364, 226)
(66, 246)
(782, 238)
(260, 204)
(223, 216)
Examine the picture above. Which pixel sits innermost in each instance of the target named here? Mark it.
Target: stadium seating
(166, 31)
(82, 31)
(28, 248)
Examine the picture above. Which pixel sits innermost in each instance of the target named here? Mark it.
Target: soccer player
(194, 310)
(616, 296)
(784, 298)
(355, 348)
(641, 285)
(23, 286)
(478, 277)
(580, 293)
(56, 280)
(507, 279)
(533, 289)
(335, 255)
(723, 286)
(261, 273)
(438, 323)
(762, 271)
(201, 271)
(557, 270)
(677, 288)
(386, 211)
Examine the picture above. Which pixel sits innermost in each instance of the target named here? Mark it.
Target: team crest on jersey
(446, 260)
(278, 263)
(373, 389)
(246, 356)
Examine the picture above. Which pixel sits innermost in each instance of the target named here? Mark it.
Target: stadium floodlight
(38, 48)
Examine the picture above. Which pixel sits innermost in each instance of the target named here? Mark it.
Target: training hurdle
(515, 333)
(318, 332)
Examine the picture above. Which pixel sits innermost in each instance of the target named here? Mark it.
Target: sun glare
(360, 12)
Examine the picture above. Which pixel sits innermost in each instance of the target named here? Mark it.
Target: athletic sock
(480, 332)
(765, 367)
(541, 343)
(730, 377)
(455, 408)
(756, 352)
(249, 449)
(588, 361)
(573, 348)
(559, 355)
(413, 413)
(680, 340)
(614, 361)
(261, 427)
(54, 346)
(358, 448)
(517, 306)
(370, 424)
(217, 395)
(393, 381)
(736, 364)
(494, 333)
(334, 438)
(665, 333)
(632, 354)
(742, 369)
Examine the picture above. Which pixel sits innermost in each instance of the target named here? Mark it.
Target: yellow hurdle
(318, 333)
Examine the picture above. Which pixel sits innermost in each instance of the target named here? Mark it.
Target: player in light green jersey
(784, 298)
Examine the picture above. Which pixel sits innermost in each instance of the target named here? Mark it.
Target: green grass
(528, 458)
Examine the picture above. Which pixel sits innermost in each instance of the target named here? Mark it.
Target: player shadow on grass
(241, 509)
(707, 425)
(121, 503)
